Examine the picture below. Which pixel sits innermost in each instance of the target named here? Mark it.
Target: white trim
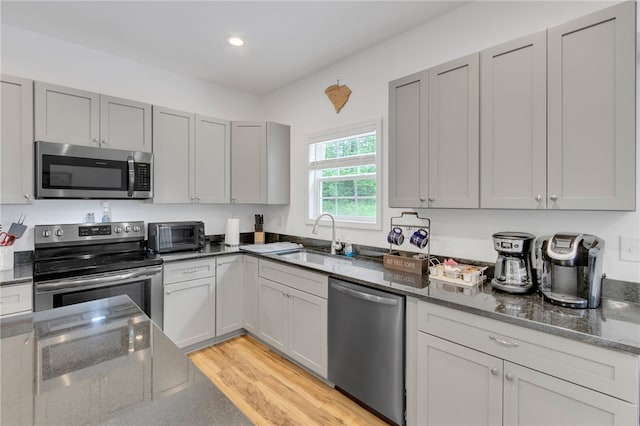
(339, 133)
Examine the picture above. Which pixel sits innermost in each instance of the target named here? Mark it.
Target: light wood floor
(270, 390)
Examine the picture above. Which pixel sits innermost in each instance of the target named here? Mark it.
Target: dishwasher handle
(364, 296)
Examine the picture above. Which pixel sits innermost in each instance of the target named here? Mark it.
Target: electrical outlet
(629, 249)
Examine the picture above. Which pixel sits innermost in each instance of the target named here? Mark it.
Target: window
(344, 175)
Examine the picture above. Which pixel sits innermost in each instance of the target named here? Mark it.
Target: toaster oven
(170, 237)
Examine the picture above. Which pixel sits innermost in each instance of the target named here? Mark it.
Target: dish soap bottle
(348, 248)
(106, 216)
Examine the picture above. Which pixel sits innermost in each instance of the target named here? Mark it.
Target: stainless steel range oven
(76, 263)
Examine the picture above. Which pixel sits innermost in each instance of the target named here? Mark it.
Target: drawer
(297, 278)
(608, 371)
(190, 270)
(16, 299)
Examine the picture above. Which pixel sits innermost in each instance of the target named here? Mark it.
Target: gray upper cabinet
(408, 141)
(211, 171)
(191, 157)
(591, 111)
(66, 115)
(173, 134)
(260, 163)
(125, 124)
(453, 133)
(513, 139)
(78, 117)
(16, 140)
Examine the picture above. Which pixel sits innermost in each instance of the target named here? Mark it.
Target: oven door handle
(100, 281)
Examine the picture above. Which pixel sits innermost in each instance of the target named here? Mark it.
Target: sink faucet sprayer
(334, 244)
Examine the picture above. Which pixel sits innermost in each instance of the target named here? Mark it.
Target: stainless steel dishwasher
(366, 346)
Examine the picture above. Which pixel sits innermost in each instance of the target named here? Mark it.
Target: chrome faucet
(334, 244)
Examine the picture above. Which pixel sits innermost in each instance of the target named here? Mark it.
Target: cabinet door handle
(105, 142)
(431, 200)
(27, 196)
(538, 198)
(422, 199)
(509, 377)
(504, 342)
(554, 197)
(494, 371)
(95, 140)
(168, 292)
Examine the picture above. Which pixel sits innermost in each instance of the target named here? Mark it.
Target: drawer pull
(190, 271)
(504, 342)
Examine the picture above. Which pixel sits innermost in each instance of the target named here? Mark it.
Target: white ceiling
(285, 40)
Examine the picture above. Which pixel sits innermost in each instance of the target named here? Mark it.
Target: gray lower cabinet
(191, 157)
(229, 294)
(502, 373)
(190, 301)
(293, 313)
(494, 391)
(250, 294)
(408, 141)
(16, 140)
(591, 112)
(513, 126)
(79, 117)
(260, 163)
(454, 133)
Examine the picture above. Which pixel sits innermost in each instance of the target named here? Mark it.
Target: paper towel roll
(232, 234)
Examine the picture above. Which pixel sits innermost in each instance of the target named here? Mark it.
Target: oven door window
(83, 173)
(138, 291)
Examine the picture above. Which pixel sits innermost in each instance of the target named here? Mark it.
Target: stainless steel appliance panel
(74, 171)
(366, 339)
(142, 285)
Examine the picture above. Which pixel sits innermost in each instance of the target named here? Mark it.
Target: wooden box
(405, 262)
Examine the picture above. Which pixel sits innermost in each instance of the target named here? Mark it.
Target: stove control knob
(127, 228)
(58, 232)
(136, 228)
(118, 229)
(46, 233)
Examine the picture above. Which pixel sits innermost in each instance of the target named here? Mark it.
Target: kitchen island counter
(102, 362)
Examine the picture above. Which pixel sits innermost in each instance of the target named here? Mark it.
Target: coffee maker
(569, 269)
(513, 272)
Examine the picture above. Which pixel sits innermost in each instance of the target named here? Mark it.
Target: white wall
(30, 55)
(459, 233)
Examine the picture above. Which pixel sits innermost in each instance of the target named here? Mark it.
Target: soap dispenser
(348, 248)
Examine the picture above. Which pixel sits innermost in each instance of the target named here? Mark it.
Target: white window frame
(312, 187)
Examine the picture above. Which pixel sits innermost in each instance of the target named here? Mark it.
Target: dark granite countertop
(614, 325)
(102, 362)
(20, 274)
(210, 250)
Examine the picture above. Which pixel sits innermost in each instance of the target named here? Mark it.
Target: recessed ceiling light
(235, 41)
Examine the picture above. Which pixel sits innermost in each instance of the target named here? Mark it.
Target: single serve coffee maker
(569, 269)
(513, 272)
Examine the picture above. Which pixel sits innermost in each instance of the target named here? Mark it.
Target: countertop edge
(222, 250)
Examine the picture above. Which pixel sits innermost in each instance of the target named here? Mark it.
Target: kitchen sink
(316, 258)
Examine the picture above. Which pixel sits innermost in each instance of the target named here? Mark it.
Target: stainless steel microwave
(176, 236)
(76, 171)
